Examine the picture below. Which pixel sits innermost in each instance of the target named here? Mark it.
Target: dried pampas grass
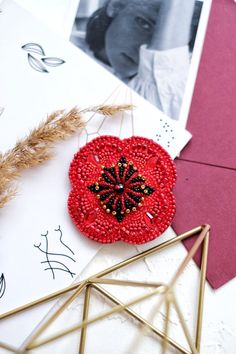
(110, 110)
(37, 147)
(7, 196)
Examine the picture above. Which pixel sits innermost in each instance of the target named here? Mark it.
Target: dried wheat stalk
(37, 147)
(108, 110)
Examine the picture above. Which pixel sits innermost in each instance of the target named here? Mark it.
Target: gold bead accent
(131, 163)
(122, 212)
(104, 206)
(98, 196)
(108, 210)
(97, 188)
(142, 198)
(114, 212)
(135, 168)
(146, 191)
(103, 167)
(96, 183)
(119, 164)
(134, 208)
(127, 211)
(143, 186)
(140, 176)
(140, 204)
(125, 164)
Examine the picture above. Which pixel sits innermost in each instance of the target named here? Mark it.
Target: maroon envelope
(206, 185)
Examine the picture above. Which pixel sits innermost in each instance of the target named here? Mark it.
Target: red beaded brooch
(122, 190)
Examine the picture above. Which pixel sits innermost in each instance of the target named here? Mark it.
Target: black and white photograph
(148, 44)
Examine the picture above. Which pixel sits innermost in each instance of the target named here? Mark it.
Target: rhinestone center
(119, 188)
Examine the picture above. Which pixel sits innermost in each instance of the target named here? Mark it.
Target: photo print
(153, 46)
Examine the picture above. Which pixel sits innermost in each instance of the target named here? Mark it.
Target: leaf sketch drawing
(55, 261)
(1, 110)
(33, 48)
(2, 285)
(38, 64)
(53, 61)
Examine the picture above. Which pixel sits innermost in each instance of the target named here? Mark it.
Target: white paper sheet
(58, 15)
(33, 85)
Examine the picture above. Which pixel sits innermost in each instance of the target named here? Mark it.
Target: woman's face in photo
(130, 28)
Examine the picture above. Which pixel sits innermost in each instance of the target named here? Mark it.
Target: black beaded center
(121, 189)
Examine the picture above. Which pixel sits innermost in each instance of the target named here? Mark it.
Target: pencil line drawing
(2, 285)
(38, 64)
(55, 261)
(33, 48)
(1, 110)
(63, 243)
(53, 62)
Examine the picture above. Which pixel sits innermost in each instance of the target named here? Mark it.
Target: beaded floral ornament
(122, 190)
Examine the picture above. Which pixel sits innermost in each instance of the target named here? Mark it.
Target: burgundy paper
(212, 119)
(206, 193)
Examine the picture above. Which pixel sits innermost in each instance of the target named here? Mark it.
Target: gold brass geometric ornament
(94, 284)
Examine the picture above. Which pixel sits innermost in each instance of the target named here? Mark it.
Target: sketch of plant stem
(2, 285)
(54, 264)
(59, 229)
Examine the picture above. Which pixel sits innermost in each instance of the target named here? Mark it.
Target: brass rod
(205, 230)
(184, 326)
(166, 325)
(123, 282)
(105, 272)
(141, 319)
(40, 301)
(149, 252)
(201, 291)
(116, 309)
(85, 317)
(57, 313)
(191, 254)
(9, 348)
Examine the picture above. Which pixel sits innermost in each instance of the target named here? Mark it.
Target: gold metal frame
(94, 283)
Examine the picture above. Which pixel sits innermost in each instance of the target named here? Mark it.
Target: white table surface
(118, 334)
